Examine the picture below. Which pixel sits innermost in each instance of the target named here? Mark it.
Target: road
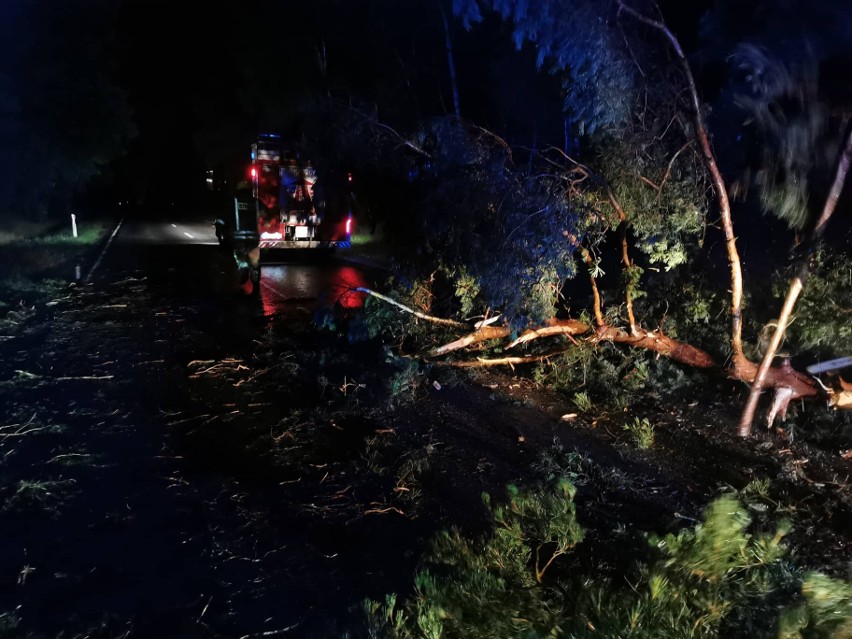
(184, 249)
(177, 230)
(130, 508)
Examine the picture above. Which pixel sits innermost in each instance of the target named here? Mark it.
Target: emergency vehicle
(284, 204)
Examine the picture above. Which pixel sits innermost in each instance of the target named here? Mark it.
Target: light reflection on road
(283, 286)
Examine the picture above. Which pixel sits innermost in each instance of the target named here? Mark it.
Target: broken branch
(429, 318)
(555, 327)
(482, 335)
(502, 361)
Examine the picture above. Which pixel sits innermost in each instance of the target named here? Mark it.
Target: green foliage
(556, 463)
(826, 613)
(409, 477)
(499, 233)
(90, 232)
(406, 381)
(467, 290)
(603, 373)
(822, 315)
(720, 546)
(782, 101)
(641, 431)
(632, 276)
(756, 490)
(38, 495)
(635, 130)
(688, 308)
(583, 401)
(380, 319)
(491, 587)
(600, 77)
(712, 578)
(715, 579)
(661, 185)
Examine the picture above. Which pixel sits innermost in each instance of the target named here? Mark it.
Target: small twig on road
(65, 456)
(272, 633)
(64, 378)
(187, 419)
(175, 481)
(382, 511)
(20, 427)
(205, 608)
(21, 433)
(215, 366)
(55, 302)
(344, 388)
(260, 373)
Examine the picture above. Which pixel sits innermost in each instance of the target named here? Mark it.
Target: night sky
(203, 79)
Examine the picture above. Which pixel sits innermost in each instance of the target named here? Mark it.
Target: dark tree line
(63, 115)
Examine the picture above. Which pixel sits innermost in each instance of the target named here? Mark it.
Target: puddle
(285, 285)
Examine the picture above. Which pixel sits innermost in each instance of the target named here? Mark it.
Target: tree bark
(481, 335)
(597, 301)
(553, 327)
(625, 255)
(659, 343)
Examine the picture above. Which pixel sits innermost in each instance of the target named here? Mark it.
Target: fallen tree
(789, 383)
(508, 232)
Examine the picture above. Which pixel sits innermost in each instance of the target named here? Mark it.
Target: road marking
(189, 235)
(106, 248)
(174, 226)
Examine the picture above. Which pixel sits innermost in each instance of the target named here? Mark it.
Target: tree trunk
(451, 63)
(734, 264)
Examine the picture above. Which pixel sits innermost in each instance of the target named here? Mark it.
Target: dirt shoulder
(33, 251)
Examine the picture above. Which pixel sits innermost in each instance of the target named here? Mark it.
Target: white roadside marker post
(73, 225)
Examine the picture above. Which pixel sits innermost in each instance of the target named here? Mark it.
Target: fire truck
(284, 204)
